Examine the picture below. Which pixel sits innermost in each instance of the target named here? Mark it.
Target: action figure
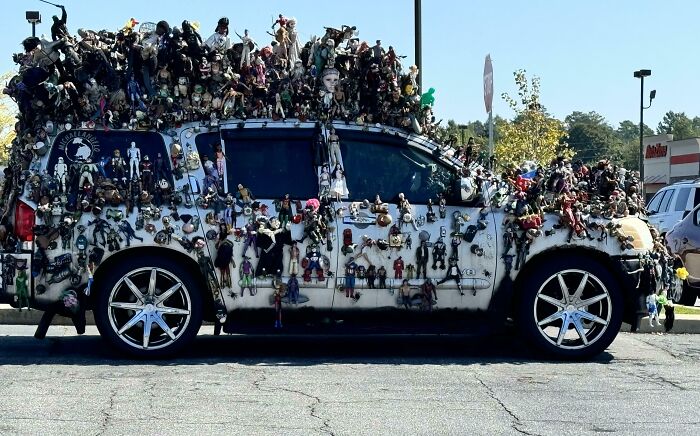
(381, 274)
(454, 273)
(371, 274)
(128, 232)
(398, 268)
(134, 155)
(350, 271)
(246, 271)
(294, 259)
(422, 257)
(101, 227)
(60, 172)
(439, 251)
(311, 263)
(293, 289)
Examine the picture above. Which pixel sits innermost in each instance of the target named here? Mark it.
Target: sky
(584, 52)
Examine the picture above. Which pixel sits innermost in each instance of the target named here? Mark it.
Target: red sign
(656, 151)
(488, 84)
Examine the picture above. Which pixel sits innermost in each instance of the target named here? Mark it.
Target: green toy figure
(427, 99)
(22, 291)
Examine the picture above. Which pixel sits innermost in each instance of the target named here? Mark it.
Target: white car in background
(672, 203)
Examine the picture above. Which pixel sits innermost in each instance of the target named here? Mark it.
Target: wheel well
(189, 265)
(623, 281)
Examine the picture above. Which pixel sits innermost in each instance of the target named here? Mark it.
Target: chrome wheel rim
(149, 308)
(572, 309)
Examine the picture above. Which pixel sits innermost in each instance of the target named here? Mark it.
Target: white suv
(672, 203)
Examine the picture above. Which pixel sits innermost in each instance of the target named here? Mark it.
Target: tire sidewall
(530, 286)
(101, 309)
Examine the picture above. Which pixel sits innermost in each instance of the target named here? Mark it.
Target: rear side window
(696, 200)
(271, 162)
(668, 195)
(682, 199)
(654, 203)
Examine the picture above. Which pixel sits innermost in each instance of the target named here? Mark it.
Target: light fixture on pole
(33, 17)
(641, 74)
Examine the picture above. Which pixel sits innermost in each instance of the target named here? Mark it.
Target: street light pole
(641, 74)
(418, 41)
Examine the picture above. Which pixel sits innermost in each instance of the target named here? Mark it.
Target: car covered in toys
(159, 181)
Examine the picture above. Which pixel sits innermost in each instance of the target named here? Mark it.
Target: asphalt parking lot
(644, 383)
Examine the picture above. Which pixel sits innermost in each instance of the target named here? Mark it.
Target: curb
(8, 316)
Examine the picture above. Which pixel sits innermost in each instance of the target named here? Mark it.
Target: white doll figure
(247, 42)
(330, 76)
(334, 142)
(134, 155)
(324, 182)
(294, 48)
(340, 188)
(60, 172)
(279, 109)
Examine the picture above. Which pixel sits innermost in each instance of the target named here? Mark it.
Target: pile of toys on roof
(155, 76)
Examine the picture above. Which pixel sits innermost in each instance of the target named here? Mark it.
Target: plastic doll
(371, 275)
(294, 259)
(334, 142)
(398, 268)
(381, 274)
(339, 188)
(285, 214)
(277, 301)
(405, 293)
(652, 310)
(245, 54)
(454, 273)
(246, 271)
(350, 271)
(293, 289)
(439, 252)
(134, 155)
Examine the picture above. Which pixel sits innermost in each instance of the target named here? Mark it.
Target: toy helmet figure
(384, 219)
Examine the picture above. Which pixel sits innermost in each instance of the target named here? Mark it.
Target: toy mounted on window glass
(339, 188)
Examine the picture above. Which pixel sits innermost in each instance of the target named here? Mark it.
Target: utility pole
(419, 47)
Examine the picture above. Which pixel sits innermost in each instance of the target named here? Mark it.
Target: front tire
(571, 308)
(148, 307)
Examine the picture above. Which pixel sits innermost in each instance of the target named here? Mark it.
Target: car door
(394, 221)
(271, 174)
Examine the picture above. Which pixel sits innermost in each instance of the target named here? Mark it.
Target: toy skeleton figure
(454, 273)
(134, 155)
(439, 251)
(247, 271)
(60, 172)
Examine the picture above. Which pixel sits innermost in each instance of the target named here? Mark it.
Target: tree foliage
(679, 125)
(8, 110)
(589, 135)
(532, 135)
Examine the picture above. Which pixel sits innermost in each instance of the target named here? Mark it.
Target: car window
(696, 199)
(386, 165)
(98, 146)
(682, 199)
(271, 162)
(666, 201)
(654, 203)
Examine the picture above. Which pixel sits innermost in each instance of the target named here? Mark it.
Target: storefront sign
(656, 151)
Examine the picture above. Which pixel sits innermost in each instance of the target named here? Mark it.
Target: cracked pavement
(346, 386)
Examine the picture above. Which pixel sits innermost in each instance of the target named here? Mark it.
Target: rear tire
(689, 295)
(148, 307)
(570, 308)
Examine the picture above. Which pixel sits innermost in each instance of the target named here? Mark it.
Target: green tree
(589, 135)
(8, 111)
(678, 124)
(533, 134)
(628, 131)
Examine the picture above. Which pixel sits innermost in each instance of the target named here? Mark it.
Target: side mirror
(467, 189)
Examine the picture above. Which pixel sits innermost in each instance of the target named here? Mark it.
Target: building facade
(667, 161)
